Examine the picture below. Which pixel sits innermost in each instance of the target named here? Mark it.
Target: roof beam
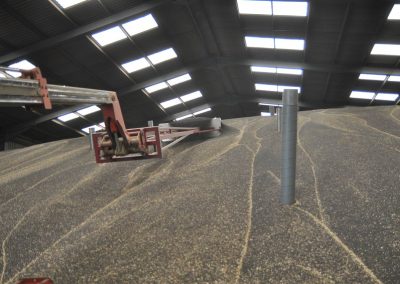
(234, 61)
(56, 40)
(13, 131)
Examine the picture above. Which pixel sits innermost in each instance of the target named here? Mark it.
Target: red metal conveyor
(116, 143)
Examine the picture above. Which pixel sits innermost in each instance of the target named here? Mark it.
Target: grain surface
(209, 211)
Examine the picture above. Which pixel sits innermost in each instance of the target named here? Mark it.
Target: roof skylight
(23, 64)
(156, 87)
(171, 82)
(278, 43)
(191, 96)
(96, 128)
(276, 8)
(202, 111)
(373, 77)
(386, 97)
(282, 88)
(264, 104)
(289, 71)
(386, 49)
(265, 113)
(254, 7)
(395, 13)
(266, 87)
(162, 56)
(183, 117)
(140, 25)
(2, 75)
(362, 95)
(275, 88)
(285, 43)
(171, 103)
(394, 78)
(68, 117)
(136, 65)
(88, 110)
(69, 3)
(179, 79)
(285, 8)
(259, 42)
(109, 36)
(279, 70)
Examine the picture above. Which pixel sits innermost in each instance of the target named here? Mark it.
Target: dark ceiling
(208, 37)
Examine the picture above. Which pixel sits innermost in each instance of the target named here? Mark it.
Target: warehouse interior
(209, 209)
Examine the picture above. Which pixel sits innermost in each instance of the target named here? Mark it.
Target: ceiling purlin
(82, 30)
(339, 41)
(226, 79)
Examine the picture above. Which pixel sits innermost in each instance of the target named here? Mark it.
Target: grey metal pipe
(289, 143)
(15, 90)
(91, 131)
(278, 119)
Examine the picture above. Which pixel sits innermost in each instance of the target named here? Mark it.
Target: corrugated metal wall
(10, 145)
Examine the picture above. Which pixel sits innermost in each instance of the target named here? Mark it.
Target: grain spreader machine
(116, 143)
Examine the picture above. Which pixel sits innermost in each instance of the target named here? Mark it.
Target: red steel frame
(150, 139)
(142, 142)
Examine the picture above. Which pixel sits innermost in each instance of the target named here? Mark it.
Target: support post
(271, 110)
(91, 131)
(289, 143)
(278, 119)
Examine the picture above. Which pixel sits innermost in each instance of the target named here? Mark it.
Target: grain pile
(209, 211)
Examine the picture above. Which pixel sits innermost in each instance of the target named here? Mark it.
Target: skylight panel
(136, 65)
(140, 25)
(96, 128)
(88, 110)
(386, 49)
(263, 69)
(373, 77)
(162, 56)
(171, 103)
(274, 88)
(2, 75)
(265, 113)
(362, 95)
(279, 70)
(264, 104)
(394, 78)
(202, 111)
(386, 97)
(285, 8)
(254, 7)
(69, 3)
(23, 64)
(179, 79)
(282, 88)
(395, 13)
(68, 117)
(259, 42)
(285, 43)
(278, 43)
(289, 71)
(156, 87)
(266, 87)
(191, 96)
(183, 117)
(109, 36)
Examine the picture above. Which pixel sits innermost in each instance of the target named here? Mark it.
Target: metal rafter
(83, 30)
(339, 41)
(105, 54)
(226, 79)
